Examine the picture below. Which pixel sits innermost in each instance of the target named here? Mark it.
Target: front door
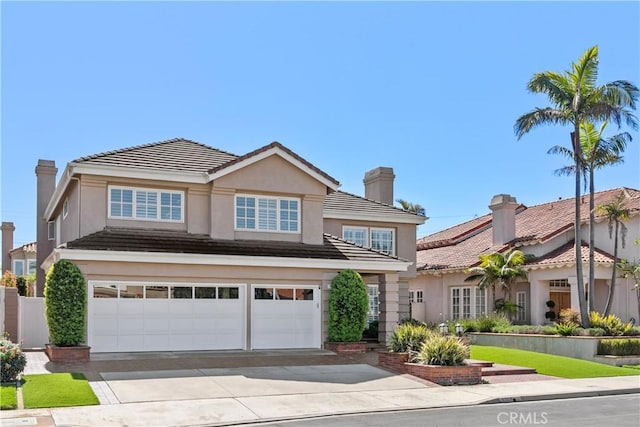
(562, 301)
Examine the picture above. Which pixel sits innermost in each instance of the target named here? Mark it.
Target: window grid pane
(466, 303)
(455, 303)
(481, 302)
(382, 240)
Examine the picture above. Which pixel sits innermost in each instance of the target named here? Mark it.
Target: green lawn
(549, 364)
(57, 390)
(8, 398)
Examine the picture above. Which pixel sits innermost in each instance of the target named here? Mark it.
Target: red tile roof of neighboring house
(566, 255)
(459, 246)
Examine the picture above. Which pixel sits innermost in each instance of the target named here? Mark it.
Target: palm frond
(539, 117)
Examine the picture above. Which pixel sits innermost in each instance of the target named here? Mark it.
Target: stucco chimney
(46, 184)
(378, 185)
(7, 244)
(503, 207)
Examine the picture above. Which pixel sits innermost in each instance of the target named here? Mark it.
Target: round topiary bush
(12, 360)
(65, 300)
(348, 307)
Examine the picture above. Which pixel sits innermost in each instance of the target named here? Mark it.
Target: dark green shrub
(348, 306)
(408, 338)
(12, 360)
(620, 347)
(567, 329)
(372, 330)
(469, 325)
(65, 300)
(443, 350)
(498, 321)
(21, 284)
(611, 324)
(549, 330)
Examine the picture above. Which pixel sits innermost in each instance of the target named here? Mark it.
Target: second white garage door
(285, 317)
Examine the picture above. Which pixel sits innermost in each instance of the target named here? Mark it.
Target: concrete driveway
(188, 384)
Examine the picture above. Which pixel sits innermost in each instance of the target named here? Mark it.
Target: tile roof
(274, 144)
(565, 255)
(176, 154)
(28, 248)
(169, 241)
(340, 201)
(459, 246)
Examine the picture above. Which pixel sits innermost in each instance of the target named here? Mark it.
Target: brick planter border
(393, 361)
(446, 375)
(67, 354)
(346, 347)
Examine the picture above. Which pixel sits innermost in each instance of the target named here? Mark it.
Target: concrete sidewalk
(228, 396)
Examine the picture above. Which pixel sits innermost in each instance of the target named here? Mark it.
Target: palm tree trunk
(591, 288)
(577, 150)
(607, 308)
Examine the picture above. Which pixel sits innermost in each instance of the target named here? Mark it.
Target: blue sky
(431, 89)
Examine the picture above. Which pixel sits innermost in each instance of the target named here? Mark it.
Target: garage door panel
(165, 324)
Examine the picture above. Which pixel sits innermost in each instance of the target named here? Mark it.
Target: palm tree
(615, 212)
(497, 268)
(411, 207)
(597, 153)
(576, 99)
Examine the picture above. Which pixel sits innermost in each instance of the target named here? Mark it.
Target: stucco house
(187, 247)
(21, 260)
(546, 231)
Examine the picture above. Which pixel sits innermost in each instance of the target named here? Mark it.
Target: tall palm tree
(497, 268)
(576, 99)
(615, 212)
(597, 153)
(411, 207)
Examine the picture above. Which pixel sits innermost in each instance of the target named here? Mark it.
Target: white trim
(51, 230)
(228, 260)
(158, 192)
(377, 217)
(267, 153)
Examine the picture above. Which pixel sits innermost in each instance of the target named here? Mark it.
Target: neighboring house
(187, 247)
(20, 260)
(546, 231)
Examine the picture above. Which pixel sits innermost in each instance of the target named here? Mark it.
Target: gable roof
(176, 154)
(29, 248)
(565, 255)
(343, 205)
(459, 246)
(275, 148)
(153, 241)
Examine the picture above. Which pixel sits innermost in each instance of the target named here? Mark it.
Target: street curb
(557, 396)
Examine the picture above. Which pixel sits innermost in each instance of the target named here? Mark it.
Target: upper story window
(379, 239)
(65, 208)
(51, 230)
(265, 213)
(146, 204)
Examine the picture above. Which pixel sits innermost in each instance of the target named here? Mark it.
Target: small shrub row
(12, 360)
(625, 347)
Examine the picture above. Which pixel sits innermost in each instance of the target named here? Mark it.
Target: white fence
(32, 325)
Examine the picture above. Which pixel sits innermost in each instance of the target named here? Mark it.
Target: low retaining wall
(618, 360)
(394, 361)
(446, 375)
(585, 348)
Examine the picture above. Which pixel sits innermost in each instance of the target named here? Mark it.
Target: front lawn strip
(57, 390)
(8, 397)
(548, 364)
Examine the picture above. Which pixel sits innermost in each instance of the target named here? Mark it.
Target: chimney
(46, 184)
(503, 207)
(7, 245)
(378, 185)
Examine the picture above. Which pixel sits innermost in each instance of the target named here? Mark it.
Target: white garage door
(285, 317)
(165, 317)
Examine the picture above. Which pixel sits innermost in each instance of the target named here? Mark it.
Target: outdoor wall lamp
(443, 328)
(458, 329)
